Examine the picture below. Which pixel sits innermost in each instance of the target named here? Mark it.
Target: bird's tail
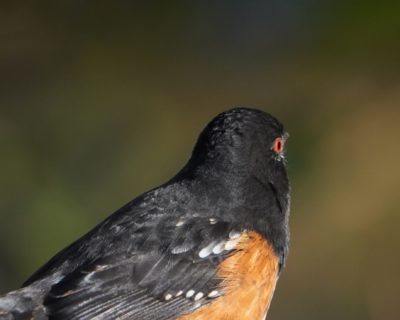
(23, 304)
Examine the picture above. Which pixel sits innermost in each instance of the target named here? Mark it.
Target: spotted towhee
(208, 244)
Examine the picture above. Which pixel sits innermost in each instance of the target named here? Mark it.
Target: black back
(144, 261)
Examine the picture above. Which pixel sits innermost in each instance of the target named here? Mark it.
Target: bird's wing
(172, 271)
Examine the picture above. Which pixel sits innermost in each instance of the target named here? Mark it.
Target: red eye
(278, 145)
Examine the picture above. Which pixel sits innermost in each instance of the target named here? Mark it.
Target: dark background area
(100, 101)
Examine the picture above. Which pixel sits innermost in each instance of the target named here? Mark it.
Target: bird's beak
(285, 136)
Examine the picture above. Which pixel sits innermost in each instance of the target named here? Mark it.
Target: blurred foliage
(100, 101)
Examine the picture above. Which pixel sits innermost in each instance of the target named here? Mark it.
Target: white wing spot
(231, 244)
(180, 223)
(205, 252)
(234, 234)
(198, 296)
(189, 293)
(179, 249)
(168, 296)
(88, 277)
(213, 221)
(101, 267)
(179, 293)
(213, 294)
(219, 248)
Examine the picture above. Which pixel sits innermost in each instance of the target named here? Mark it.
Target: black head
(243, 143)
(239, 165)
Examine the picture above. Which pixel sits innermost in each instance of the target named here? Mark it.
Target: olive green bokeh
(100, 101)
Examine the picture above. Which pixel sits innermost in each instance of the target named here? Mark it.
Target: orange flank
(249, 279)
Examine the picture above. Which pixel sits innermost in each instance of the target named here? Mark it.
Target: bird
(210, 243)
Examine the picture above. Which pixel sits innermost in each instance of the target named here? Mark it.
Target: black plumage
(144, 261)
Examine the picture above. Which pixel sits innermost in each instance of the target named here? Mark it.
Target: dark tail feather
(23, 304)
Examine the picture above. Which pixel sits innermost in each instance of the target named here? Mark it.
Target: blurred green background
(100, 101)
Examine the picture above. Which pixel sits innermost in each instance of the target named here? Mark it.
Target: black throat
(245, 200)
